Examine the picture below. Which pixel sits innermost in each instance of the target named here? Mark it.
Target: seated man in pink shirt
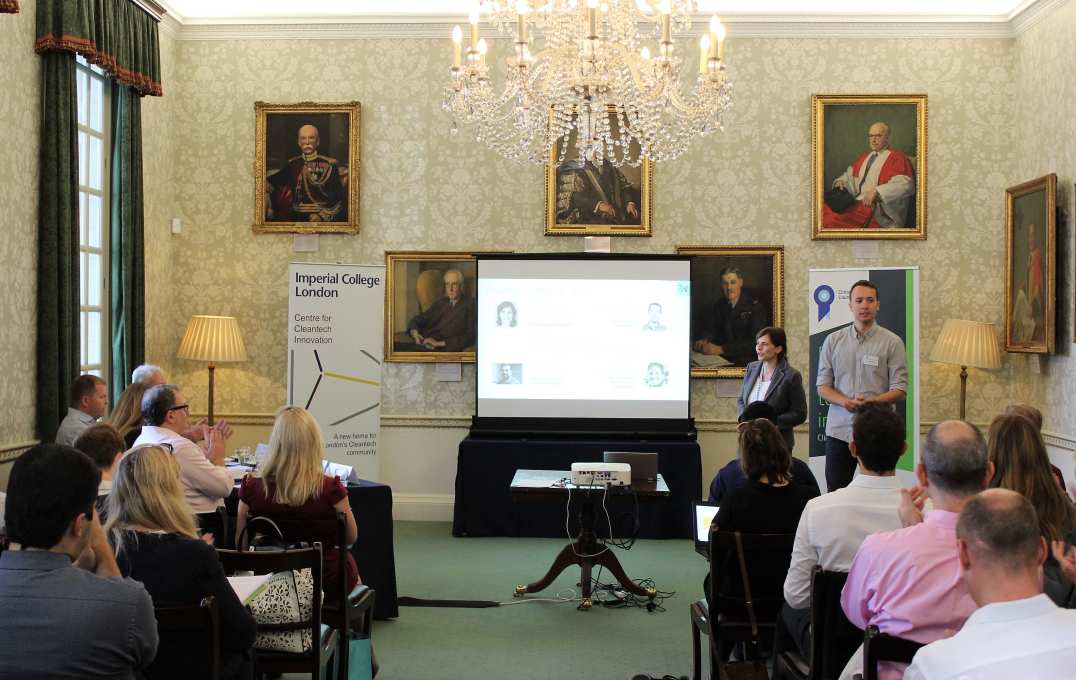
(908, 582)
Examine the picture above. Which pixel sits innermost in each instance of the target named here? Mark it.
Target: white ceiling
(210, 11)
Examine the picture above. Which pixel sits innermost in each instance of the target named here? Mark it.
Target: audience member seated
(66, 612)
(1017, 632)
(1021, 465)
(148, 375)
(89, 402)
(126, 416)
(907, 582)
(1035, 416)
(206, 482)
(769, 503)
(833, 526)
(153, 530)
(290, 485)
(103, 445)
(731, 476)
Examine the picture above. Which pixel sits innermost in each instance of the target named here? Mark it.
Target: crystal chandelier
(592, 86)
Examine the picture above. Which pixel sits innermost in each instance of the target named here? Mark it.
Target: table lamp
(966, 343)
(213, 339)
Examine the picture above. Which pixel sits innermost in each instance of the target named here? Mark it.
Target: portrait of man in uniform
(307, 165)
(736, 292)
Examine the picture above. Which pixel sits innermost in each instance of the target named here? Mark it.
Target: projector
(601, 474)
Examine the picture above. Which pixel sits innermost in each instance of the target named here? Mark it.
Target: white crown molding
(439, 26)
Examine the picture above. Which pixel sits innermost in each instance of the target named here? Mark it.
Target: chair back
(725, 556)
(295, 531)
(189, 630)
(878, 647)
(834, 639)
(285, 560)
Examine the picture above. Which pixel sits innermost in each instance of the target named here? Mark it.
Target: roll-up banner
(335, 352)
(829, 311)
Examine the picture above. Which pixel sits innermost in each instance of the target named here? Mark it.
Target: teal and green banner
(898, 291)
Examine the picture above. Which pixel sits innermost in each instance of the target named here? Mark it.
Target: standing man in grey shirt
(859, 364)
(65, 613)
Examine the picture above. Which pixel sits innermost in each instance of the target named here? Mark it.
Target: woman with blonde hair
(156, 541)
(290, 485)
(126, 415)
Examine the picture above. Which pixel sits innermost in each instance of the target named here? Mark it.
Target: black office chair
(878, 646)
(186, 632)
(833, 637)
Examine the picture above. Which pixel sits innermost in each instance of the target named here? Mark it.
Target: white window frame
(91, 75)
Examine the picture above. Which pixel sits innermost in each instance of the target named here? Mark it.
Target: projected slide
(583, 338)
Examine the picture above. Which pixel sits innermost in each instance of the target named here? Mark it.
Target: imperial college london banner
(335, 350)
(828, 311)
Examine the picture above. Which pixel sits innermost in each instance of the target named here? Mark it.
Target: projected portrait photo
(507, 315)
(430, 307)
(1030, 214)
(736, 291)
(586, 197)
(656, 375)
(869, 166)
(653, 318)
(508, 374)
(306, 164)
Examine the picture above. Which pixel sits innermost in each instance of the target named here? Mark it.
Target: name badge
(870, 360)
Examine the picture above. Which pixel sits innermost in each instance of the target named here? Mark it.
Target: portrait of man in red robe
(882, 182)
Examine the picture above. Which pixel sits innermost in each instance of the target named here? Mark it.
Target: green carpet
(538, 639)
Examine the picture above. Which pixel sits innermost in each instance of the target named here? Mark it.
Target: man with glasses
(206, 482)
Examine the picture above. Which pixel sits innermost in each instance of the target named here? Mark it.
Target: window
(93, 216)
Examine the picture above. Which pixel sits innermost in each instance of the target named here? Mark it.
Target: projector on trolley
(601, 474)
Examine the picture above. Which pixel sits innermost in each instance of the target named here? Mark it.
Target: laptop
(704, 513)
(644, 466)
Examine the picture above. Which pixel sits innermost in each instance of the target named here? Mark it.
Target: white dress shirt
(833, 526)
(1029, 639)
(205, 485)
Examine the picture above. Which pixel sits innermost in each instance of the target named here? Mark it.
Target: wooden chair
(833, 637)
(195, 628)
(323, 638)
(724, 618)
(358, 613)
(878, 646)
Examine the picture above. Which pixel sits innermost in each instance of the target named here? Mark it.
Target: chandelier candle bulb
(720, 41)
(482, 48)
(645, 54)
(521, 21)
(457, 46)
(666, 28)
(704, 53)
(474, 28)
(592, 19)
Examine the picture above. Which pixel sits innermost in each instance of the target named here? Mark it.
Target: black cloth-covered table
(371, 503)
(485, 468)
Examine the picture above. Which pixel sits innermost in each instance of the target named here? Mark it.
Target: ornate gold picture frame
(1030, 260)
(306, 168)
(584, 199)
(431, 294)
(723, 333)
(869, 166)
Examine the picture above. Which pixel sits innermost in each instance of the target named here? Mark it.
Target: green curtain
(9, 6)
(126, 239)
(57, 243)
(117, 35)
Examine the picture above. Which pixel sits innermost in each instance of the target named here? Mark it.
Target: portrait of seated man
(309, 187)
(448, 325)
(595, 194)
(736, 319)
(882, 183)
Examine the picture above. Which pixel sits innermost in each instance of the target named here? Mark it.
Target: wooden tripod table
(585, 551)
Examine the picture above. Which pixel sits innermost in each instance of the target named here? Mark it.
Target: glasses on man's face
(184, 407)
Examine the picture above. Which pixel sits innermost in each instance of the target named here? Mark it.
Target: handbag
(753, 669)
(360, 661)
(286, 597)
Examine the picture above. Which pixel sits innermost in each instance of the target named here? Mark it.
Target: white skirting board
(422, 507)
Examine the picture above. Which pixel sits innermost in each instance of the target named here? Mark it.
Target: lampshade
(967, 343)
(212, 338)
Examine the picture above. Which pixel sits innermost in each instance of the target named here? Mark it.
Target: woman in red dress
(290, 485)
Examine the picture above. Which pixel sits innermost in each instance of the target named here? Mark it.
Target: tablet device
(704, 513)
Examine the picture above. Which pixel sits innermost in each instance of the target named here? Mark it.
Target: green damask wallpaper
(19, 123)
(424, 188)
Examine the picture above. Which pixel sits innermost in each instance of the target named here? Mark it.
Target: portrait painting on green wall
(1030, 246)
(306, 168)
(869, 166)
